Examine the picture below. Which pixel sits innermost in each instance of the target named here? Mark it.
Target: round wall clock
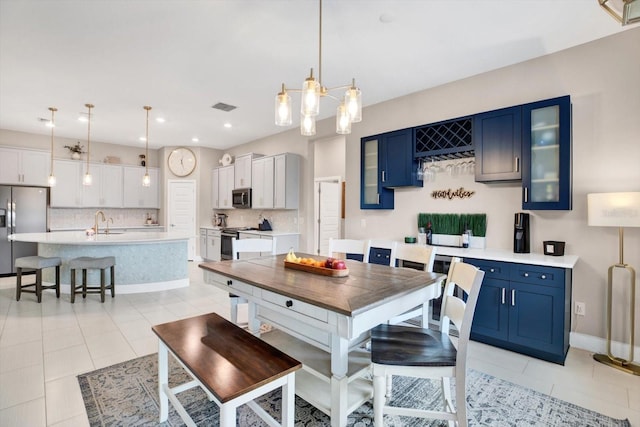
(181, 161)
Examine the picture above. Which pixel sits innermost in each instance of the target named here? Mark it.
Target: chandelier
(349, 110)
(52, 178)
(88, 180)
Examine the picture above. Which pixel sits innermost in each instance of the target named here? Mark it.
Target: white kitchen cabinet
(213, 245)
(262, 189)
(286, 181)
(222, 186)
(135, 195)
(67, 193)
(25, 167)
(215, 191)
(106, 191)
(243, 170)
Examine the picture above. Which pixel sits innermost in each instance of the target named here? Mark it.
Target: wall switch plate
(580, 309)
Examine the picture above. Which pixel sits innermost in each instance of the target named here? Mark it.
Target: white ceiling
(183, 56)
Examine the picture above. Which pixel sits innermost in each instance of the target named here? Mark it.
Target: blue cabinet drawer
(380, 256)
(492, 269)
(538, 275)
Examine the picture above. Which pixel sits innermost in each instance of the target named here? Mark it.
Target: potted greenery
(76, 150)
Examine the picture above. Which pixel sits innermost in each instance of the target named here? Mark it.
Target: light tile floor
(44, 346)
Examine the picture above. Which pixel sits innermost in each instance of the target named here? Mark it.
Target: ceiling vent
(224, 107)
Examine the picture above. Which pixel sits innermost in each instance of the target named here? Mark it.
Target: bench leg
(72, 272)
(102, 284)
(18, 283)
(39, 284)
(288, 401)
(113, 283)
(57, 281)
(84, 283)
(163, 380)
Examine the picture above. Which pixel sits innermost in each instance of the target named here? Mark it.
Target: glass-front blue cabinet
(546, 146)
(372, 194)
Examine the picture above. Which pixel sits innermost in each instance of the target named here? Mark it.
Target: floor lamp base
(623, 365)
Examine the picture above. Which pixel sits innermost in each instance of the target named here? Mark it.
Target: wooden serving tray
(317, 270)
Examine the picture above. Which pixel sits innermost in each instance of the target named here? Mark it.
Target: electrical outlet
(580, 309)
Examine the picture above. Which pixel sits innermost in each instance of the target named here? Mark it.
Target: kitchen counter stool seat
(90, 263)
(36, 263)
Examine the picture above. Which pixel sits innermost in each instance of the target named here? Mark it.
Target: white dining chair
(425, 353)
(250, 248)
(344, 247)
(418, 257)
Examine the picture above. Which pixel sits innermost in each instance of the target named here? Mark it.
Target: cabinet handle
(384, 177)
(544, 276)
(504, 295)
(289, 303)
(526, 274)
(513, 297)
(378, 198)
(526, 194)
(492, 270)
(517, 164)
(229, 282)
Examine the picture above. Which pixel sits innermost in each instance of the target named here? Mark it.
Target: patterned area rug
(126, 394)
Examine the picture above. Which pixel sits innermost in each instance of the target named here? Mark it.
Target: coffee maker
(521, 233)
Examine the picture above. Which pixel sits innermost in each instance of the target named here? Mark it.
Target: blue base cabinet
(524, 308)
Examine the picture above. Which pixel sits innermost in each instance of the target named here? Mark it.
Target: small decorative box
(551, 247)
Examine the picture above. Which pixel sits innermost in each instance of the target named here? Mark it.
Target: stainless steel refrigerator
(22, 210)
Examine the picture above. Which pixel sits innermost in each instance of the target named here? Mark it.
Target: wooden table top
(366, 286)
(228, 360)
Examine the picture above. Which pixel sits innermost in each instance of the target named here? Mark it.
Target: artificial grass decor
(454, 224)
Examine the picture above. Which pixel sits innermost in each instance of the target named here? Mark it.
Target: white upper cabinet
(286, 191)
(106, 190)
(24, 167)
(135, 195)
(225, 186)
(215, 192)
(67, 193)
(242, 170)
(262, 190)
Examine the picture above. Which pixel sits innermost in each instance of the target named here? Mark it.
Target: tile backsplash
(60, 219)
(280, 220)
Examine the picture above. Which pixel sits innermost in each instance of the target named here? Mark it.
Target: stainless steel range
(226, 249)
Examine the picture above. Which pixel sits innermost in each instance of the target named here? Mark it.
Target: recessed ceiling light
(195, 140)
(386, 18)
(160, 119)
(227, 125)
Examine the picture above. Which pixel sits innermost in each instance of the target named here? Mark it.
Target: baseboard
(599, 345)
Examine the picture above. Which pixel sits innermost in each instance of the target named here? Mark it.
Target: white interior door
(181, 209)
(328, 214)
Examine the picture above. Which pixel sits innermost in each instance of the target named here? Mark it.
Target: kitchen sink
(111, 232)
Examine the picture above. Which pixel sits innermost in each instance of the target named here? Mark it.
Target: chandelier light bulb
(51, 181)
(308, 125)
(283, 108)
(353, 101)
(310, 96)
(146, 180)
(88, 179)
(343, 120)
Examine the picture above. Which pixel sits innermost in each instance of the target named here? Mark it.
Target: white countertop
(270, 233)
(566, 261)
(120, 227)
(80, 237)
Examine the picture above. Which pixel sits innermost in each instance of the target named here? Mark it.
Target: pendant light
(349, 110)
(52, 178)
(88, 180)
(146, 179)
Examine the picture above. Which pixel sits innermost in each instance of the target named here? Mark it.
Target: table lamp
(617, 210)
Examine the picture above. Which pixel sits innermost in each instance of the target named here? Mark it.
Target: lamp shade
(614, 209)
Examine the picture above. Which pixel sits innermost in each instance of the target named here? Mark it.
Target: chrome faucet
(95, 225)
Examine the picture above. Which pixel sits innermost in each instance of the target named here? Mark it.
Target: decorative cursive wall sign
(460, 193)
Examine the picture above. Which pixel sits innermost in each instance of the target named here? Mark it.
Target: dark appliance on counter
(521, 233)
(241, 198)
(22, 210)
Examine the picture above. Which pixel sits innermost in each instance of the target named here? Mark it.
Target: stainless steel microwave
(241, 198)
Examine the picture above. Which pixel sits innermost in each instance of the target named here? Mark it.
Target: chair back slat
(252, 246)
(338, 247)
(420, 254)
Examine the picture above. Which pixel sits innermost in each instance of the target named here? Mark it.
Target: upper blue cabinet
(387, 162)
(546, 160)
(497, 138)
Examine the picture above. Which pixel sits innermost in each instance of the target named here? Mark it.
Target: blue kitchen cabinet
(497, 138)
(524, 308)
(546, 160)
(386, 162)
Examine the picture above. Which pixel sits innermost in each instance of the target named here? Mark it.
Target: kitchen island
(145, 261)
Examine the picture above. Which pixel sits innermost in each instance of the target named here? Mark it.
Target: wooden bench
(231, 365)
